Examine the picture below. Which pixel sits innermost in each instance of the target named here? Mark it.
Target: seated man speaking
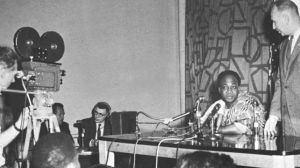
(241, 112)
(97, 125)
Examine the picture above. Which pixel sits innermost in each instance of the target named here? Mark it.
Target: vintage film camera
(42, 76)
(38, 58)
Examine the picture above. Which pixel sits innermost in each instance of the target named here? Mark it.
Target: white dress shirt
(295, 38)
(101, 128)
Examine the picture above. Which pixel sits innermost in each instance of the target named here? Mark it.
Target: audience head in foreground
(201, 159)
(55, 150)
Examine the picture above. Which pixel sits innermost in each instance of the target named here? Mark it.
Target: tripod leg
(27, 140)
(36, 129)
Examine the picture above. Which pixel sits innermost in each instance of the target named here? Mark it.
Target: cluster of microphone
(209, 114)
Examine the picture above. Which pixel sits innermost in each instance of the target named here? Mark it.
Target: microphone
(215, 110)
(196, 110)
(179, 116)
(212, 115)
(254, 103)
(212, 110)
(169, 120)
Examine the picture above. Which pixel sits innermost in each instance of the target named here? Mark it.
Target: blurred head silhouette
(201, 159)
(55, 150)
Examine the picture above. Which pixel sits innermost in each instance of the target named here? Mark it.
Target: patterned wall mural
(227, 34)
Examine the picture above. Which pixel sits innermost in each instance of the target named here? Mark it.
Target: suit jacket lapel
(93, 128)
(282, 58)
(294, 54)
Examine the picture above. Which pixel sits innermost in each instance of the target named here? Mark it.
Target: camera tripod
(40, 111)
(34, 126)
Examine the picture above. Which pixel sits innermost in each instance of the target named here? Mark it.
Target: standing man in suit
(97, 125)
(285, 106)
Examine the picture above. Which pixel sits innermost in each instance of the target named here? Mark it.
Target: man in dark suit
(285, 106)
(58, 110)
(89, 127)
(97, 125)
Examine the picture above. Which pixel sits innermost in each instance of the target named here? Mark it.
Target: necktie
(289, 50)
(291, 43)
(99, 131)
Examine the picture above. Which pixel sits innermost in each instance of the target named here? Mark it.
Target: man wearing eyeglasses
(97, 125)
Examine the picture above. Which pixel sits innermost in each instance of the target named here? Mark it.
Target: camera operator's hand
(9, 134)
(22, 122)
(19, 74)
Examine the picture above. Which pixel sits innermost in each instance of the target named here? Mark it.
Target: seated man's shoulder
(65, 124)
(87, 119)
(250, 99)
(246, 96)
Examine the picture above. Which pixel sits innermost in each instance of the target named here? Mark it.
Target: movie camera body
(38, 58)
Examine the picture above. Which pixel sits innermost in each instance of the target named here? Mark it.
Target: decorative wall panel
(227, 34)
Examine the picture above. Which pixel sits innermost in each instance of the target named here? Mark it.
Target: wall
(237, 36)
(124, 52)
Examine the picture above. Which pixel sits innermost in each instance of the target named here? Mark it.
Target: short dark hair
(8, 57)
(226, 73)
(53, 150)
(200, 159)
(102, 105)
(55, 106)
(285, 5)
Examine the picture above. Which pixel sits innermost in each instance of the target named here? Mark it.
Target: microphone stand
(213, 129)
(199, 113)
(211, 113)
(199, 132)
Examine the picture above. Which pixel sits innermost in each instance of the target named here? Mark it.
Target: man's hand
(93, 143)
(270, 143)
(167, 120)
(270, 127)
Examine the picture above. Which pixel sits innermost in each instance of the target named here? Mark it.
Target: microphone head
(216, 108)
(254, 103)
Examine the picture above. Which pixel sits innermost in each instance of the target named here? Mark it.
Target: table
(88, 157)
(253, 151)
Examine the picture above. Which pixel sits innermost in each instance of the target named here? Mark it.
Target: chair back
(123, 122)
